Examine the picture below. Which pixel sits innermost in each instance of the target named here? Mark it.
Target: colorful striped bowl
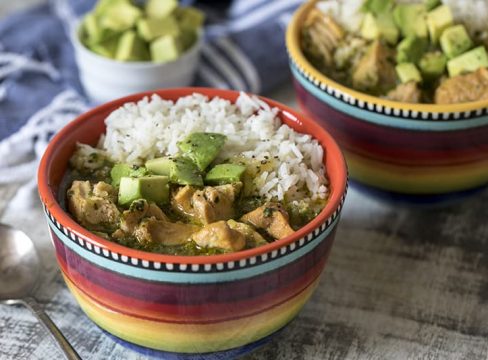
(416, 152)
(221, 305)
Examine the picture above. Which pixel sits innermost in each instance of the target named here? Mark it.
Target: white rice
(472, 13)
(153, 126)
(346, 12)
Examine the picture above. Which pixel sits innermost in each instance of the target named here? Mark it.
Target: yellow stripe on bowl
(417, 180)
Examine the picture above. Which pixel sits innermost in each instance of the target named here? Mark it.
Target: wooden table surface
(401, 283)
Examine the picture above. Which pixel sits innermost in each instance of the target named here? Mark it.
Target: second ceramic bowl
(106, 79)
(413, 152)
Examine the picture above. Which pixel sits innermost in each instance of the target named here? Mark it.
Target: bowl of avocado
(403, 87)
(124, 46)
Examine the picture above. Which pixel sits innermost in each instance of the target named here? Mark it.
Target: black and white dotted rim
(197, 268)
(386, 110)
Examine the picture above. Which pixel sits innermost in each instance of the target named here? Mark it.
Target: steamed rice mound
(152, 127)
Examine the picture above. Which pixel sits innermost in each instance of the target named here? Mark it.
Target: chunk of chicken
(104, 190)
(181, 201)
(375, 72)
(408, 92)
(220, 235)
(154, 211)
(206, 206)
(151, 231)
(253, 238)
(138, 210)
(270, 217)
(149, 225)
(325, 34)
(93, 206)
(215, 203)
(463, 88)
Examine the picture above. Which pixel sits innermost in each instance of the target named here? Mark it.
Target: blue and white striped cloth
(39, 86)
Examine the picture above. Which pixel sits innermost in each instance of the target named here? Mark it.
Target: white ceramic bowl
(106, 79)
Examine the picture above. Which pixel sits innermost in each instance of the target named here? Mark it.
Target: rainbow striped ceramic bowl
(415, 152)
(220, 306)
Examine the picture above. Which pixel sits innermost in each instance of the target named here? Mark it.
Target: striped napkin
(40, 91)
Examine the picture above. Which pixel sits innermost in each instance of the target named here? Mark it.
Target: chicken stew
(407, 52)
(181, 205)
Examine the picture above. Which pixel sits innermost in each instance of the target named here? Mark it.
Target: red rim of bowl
(332, 153)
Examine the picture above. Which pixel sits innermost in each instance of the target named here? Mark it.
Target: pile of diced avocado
(152, 181)
(426, 39)
(158, 31)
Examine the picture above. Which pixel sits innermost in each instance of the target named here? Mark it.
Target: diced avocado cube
(411, 19)
(432, 4)
(160, 8)
(120, 17)
(438, 20)
(225, 174)
(190, 17)
(188, 37)
(104, 51)
(106, 48)
(152, 188)
(152, 28)
(388, 29)
(104, 5)
(125, 170)
(408, 72)
(381, 26)
(138, 171)
(202, 148)
(369, 27)
(411, 49)
(160, 166)
(433, 65)
(180, 170)
(377, 6)
(131, 48)
(118, 172)
(165, 48)
(455, 41)
(185, 172)
(468, 62)
(92, 29)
